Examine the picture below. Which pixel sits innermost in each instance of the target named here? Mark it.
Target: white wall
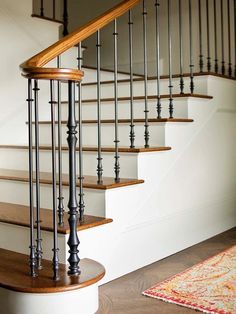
(21, 36)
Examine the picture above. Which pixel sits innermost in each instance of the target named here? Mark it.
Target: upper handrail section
(34, 67)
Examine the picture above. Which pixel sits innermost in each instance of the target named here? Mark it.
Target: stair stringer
(180, 204)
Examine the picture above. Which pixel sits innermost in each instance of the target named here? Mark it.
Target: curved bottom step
(22, 294)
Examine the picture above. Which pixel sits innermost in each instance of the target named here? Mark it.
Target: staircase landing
(14, 275)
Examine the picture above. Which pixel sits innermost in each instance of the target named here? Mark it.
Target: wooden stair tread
(14, 275)
(151, 120)
(94, 149)
(150, 78)
(90, 182)
(150, 97)
(16, 214)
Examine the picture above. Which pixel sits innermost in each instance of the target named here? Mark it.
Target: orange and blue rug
(209, 286)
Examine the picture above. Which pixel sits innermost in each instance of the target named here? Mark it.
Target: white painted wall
(21, 37)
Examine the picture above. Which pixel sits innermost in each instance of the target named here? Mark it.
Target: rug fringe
(179, 303)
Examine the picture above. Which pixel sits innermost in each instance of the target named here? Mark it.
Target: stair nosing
(113, 185)
(8, 215)
(150, 97)
(125, 121)
(94, 149)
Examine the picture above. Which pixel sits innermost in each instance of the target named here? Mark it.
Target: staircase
(149, 173)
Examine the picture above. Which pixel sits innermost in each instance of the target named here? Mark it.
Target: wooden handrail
(33, 67)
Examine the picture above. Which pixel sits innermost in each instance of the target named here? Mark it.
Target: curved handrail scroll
(33, 67)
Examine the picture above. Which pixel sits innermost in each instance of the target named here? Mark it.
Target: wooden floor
(123, 296)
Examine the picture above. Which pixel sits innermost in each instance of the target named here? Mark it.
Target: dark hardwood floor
(123, 295)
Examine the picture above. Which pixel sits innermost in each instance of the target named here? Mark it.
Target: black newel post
(73, 240)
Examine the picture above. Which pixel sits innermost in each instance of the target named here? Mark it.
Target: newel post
(73, 241)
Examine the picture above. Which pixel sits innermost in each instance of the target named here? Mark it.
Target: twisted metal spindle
(216, 42)
(55, 249)
(208, 38)
(171, 107)
(201, 62)
(157, 5)
(146, 111)
(229, 40)
(181, 48)
(32, 257)
(81, 176)
(116, 141)
(59, 127)
(73, 241)
(191, 66)
(132, 132)
(39, 251)
(222, 38)
(99, 158)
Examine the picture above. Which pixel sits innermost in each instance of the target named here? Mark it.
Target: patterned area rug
(209, 286)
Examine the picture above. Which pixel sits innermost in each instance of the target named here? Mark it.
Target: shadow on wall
(80, 12)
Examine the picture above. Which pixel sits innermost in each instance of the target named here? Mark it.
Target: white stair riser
(18, 193)
(157, 134)
(19, 241)
(18, 159)
(107, 90)
(108, 109)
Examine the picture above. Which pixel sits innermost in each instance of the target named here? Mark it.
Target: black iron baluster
(229, 40)
(54, 184)
(181, 48)
(73, 240)
(41, 8)
(191, 66)
(32, 257)
(157, 5)
(132, 133)
(171, 107)
(54, 9)
(81, 176)
(146, 111)
(208, 38)
(222, 38)
(99, 158)
(201, 62)
(65, 18)
(60, 188)
(116, 141)
(39, 251)
(216, 43)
